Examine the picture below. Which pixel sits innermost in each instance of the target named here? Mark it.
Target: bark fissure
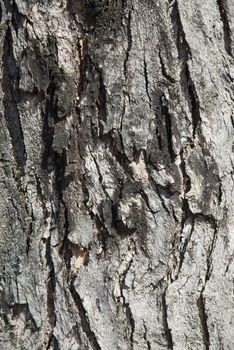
(195, 105)
(101, 103)
(51, 290)
(60, 163)
(203, 320)
(50, 116)
(104, 234)
(201, 301)
(129, 43)
(222, 6)
(129, 315)
(18, 309)
(16, 16)
(29, 233)
(145, 337)
(167, 330)
(163, 69)
(220, 193)
(232, 121)
(214, 223)
(84, 318)
(185, 55)
(168, 125)
(147, 82)
(160, 195)
(187, 215)
(10, 85)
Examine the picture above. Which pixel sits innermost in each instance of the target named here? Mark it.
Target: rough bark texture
(116, 207)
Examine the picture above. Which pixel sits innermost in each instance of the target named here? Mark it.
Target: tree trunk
(116, 207)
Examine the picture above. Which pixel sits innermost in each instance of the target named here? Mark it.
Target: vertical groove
(203, 319)
(226, 26)
(168, 125)
(10, 84)
(165, 322)
(84, 318)
(129, 38)
(50, 291)
(184, 53)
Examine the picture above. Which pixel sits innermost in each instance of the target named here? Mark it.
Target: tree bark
(116, 147)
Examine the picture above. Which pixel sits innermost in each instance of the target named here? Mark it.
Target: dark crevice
(167, 330)
(187, 215)
(17, 309)
(186, 188)
(146, 200)
(62, 214)
(51, 285)
(163, 68)
(211, 250)
(168, 125)
(159, 138)
(84, 318)
(222, 5)
(65, 249)
(232, 121)
(50, 116)
(102, 230)
(115, 146)
(28, 244)
(7, 5)
(53, 343)
(220, 193)
(121, 229)
(10, 84)
(131, 322)
(16, 17)
(129, 46)
(147, 82)
(101, 102)
(28, 240)
(122, 116)
(55, 163)
(84, 62)
(128, 311)
(184, 54)
(145, 337)
(203, 320)
(194, 101)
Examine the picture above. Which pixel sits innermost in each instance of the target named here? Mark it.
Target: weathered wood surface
(116, 207)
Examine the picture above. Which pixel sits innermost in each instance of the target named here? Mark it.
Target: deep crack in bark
(222, 5)
(203, 319)
(129, 43)
(84, 317)
(51, 285)
(187, 83)
(168, 334)
(11, 98)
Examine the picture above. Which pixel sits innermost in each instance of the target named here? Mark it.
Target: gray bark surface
(116, 161)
